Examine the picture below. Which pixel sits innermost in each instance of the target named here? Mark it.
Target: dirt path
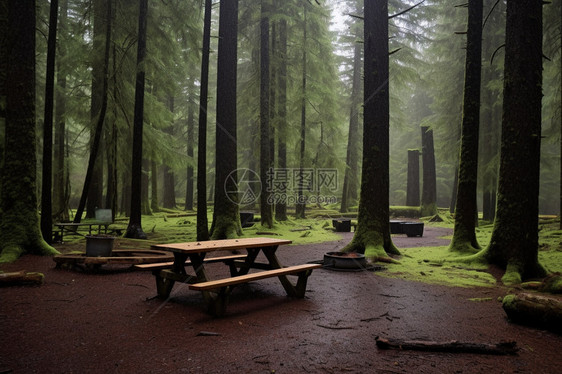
(110, 323)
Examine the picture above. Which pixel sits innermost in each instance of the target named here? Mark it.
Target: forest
(281, 107)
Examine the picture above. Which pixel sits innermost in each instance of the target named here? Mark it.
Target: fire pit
(343, 260)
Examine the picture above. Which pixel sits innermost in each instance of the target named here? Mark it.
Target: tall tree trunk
(202, 221)
(47, 175)
(488, 156)
(134, 229)
(154, 186)
(560, 204)
(372, 236)
(112, 141)
(19, 227)
(265, 206)
(466, 211)
(94, 149)
(169, 193)
(429, 187)
(300, 206)
(226, 219)
(514, 242)
(281, 206)
(413, 183)
(349, 191)
(189, 179)
(126, 192)
(145, 188)
(99, 92)
(3, 76)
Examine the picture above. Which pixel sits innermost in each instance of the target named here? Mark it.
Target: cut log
(534, 310)
(502, 348)
(21, 278)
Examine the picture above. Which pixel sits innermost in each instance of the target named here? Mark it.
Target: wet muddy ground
(110, 322)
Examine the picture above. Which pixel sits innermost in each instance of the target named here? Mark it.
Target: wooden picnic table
(72, 227)
(192, 256)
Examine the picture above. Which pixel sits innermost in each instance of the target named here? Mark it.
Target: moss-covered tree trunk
(226, 217)
(134, 229)
(281, 206)
(429, 187)
(466, 209)
(514, 242)
(413, 182)
(19, 227)
(373, 230)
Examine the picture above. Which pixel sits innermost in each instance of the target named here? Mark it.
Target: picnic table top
(215, 245)
(74, 224)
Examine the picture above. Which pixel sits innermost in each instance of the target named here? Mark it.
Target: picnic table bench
(216, 292)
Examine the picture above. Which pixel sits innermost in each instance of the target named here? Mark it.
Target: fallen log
(534, 310)
(21, 278)
(502, 348)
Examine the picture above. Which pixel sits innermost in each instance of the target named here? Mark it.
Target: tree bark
(100, 71)
(47, 172)
(349, 191)
(413, 183)
(94, 149)
(154, 186)
(61, 181)
(514, 241)
(429, 187)
(134, 229)
(202, 221)
(372, 236)
(189, 177)
(3, 76)
(19, 226)
(466, 209)
(169, 193)
(226, 219)
(281, 206)
(300, 207)
(265, 146)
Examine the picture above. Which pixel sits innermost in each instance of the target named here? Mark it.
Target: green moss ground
(436, 265)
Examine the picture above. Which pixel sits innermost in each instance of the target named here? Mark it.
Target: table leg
(269, 253)
(163, 285)
(164, 282)
(248, 262)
